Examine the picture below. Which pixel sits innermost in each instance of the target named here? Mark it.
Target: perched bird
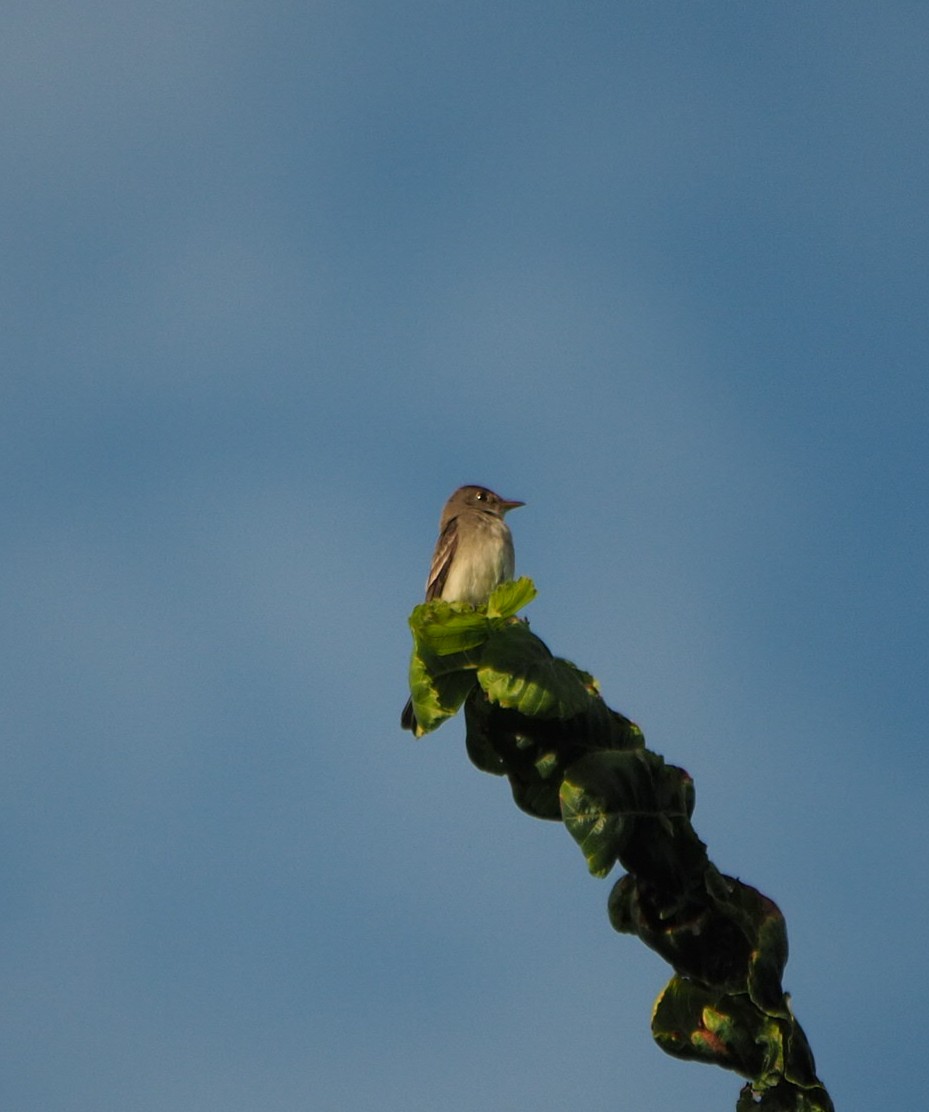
(474, 553)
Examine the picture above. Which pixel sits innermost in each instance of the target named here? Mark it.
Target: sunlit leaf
(518, 672)
(510, 597)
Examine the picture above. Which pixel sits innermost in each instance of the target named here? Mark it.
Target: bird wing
(445, 548)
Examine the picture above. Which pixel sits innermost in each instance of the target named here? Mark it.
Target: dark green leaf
(629, 805)
(695, 1022)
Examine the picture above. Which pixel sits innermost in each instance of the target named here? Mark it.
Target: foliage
(541, 722)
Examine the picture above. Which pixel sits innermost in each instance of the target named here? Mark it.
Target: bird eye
(481, 496)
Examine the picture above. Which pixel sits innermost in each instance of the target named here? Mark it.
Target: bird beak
(506, 504)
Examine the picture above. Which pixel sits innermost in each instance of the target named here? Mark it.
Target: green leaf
(436, 696)
(444, 628)
(693, 1021)
(448, 640)
(598, 804)
(768, 957)
(518, 672)
(629, 805)
(510, 597)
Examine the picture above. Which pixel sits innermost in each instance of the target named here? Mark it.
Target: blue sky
(276, 280)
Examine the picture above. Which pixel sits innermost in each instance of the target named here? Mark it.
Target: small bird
(474, 553)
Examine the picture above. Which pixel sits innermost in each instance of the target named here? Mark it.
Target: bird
(473, 555)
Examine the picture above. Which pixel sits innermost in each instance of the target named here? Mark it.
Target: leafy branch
(541, 722)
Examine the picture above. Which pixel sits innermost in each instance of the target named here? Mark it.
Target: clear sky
(276, 279)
